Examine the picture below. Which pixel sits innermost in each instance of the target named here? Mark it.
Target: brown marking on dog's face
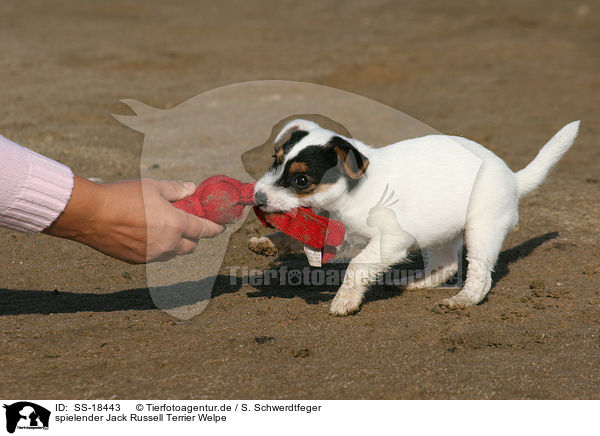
(279, 155)
(298, 167)
(314, 169)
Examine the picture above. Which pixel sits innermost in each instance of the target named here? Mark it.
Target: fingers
(185, 246)
(197, 228)
(173, 232)
(182, 247)
(193, 230)
(173, 191)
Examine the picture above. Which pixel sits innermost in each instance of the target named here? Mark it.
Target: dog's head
(312, 167)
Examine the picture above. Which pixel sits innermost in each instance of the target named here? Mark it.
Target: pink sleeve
(34, 189)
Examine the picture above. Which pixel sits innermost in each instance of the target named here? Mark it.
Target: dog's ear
(353, 162)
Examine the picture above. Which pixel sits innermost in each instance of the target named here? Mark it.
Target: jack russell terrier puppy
(425, 193)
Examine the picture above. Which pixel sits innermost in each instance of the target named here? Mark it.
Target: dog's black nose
(260, 198)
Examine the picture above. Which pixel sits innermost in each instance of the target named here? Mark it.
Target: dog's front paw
(457, 302)
(262, 245)
(345, 303)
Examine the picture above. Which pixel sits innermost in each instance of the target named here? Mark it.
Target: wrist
(79, 219)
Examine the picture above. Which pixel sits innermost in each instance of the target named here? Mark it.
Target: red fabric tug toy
(222, 199)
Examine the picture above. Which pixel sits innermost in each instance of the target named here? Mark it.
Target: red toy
(222, 199)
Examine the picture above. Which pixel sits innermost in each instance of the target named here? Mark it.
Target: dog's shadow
(276, 283)
(272, 285)
(516, 253)
(27, 301)
(290, 277)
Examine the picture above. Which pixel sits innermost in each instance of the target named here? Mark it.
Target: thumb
(173, 191)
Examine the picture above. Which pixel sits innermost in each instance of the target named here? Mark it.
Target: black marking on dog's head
(317, 163)
(321, 166)
(293, 137)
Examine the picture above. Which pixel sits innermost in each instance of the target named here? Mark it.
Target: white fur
(442, 189)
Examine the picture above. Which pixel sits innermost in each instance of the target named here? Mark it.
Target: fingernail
(189, 186)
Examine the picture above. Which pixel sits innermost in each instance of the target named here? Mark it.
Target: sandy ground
(507, 74)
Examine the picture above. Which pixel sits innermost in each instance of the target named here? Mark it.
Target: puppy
(427, 193)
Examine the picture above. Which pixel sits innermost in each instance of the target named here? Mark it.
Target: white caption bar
(463, 418)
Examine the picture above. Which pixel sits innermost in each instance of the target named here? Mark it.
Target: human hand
(133, 220)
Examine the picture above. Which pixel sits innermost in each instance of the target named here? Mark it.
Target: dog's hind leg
(484, 238)
(441, 263)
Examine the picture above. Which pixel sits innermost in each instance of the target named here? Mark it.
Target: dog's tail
(534, 174)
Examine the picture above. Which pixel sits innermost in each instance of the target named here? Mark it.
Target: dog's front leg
(273, 244)
(363, 270)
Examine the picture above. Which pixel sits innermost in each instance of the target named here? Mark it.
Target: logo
(26, 415)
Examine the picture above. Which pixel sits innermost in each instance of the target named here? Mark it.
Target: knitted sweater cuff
(34, 189)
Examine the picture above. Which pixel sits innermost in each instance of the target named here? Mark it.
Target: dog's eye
(302, 181)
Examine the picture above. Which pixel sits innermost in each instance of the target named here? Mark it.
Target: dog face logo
(26, 415)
